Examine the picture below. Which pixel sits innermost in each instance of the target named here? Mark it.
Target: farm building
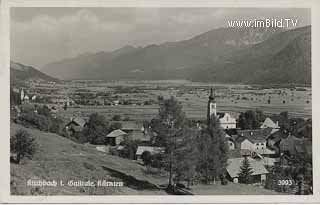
(116, 137)
(259, 171)
(135, 130)
(75, 125)
(152, 150)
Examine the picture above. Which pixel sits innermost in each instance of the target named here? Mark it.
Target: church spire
(212, 95)
(212, 106)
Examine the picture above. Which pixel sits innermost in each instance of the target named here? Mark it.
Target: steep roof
(269, 123)
(256, 135)
(233, 167)
(116, 133)
(79, 121)
(152, 150)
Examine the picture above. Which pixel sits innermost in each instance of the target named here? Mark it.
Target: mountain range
(227, 55)
(22, 73)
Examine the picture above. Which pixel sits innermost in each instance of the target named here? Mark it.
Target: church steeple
(211, 96)
(212, 106)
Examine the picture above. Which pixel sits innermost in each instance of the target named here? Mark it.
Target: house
(268, 123)
(135, 130)
(75, 125)
(259, 171)
(116, 137)
(295, 146)
(257, 145)
(152, 150)
(227, 121)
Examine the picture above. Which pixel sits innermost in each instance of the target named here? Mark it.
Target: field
(193, 96)
(61, 159)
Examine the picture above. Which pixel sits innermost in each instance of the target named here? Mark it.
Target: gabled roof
(152, 150)
(269, 123)
(116, 133)
(79, 121)
(255, 135)
(233, 167)
(238, 153)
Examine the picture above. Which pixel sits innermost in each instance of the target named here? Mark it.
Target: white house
(258, 145)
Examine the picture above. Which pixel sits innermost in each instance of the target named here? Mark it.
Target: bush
(146, 158)
(23, 145)
(35, 120)
(116, 118)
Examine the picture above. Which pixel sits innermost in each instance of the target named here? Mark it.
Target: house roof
(79, 121)
(265, 132)
(233, 167)
(237, 153)
(116, 133)
(152, 150)
(269, 123)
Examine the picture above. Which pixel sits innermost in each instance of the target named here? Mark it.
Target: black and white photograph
(160, 101)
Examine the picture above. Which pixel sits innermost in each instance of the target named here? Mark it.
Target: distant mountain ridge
(22, 73)
(229, 55)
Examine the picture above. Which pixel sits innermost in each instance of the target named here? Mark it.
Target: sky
(43, 35)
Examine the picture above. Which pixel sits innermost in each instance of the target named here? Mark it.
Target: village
(271, 144)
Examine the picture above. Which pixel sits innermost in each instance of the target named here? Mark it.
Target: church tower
(212, 106)
(22, 95)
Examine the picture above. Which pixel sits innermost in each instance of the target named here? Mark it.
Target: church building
(226, 120)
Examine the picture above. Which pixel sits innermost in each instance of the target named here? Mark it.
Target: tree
(245, 171)
(23, 145)
(116, 118)
(130, 148)
(44, 110)
(115, 126)
(146, 158)
(169, 127)
(65, 107)
(251, 119)
(187, 156)
(213, 151)
(95, 129)
(55, 125)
